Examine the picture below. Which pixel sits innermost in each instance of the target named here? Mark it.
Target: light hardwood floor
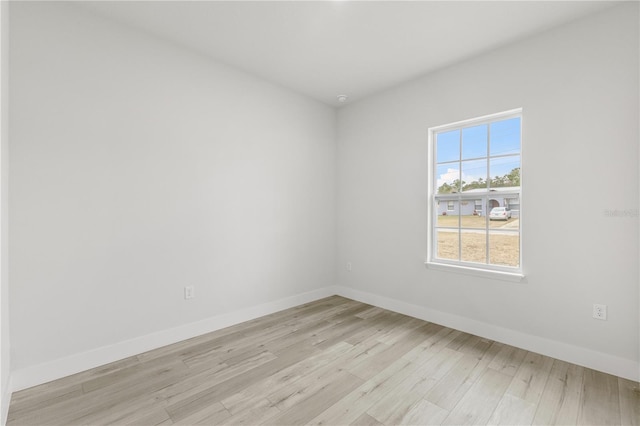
(333, 361)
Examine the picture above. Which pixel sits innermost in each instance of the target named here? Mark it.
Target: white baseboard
(6, 400)
(56, 369)
(42, 373)
(606, 363)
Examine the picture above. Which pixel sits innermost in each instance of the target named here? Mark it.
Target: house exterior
(482, 205)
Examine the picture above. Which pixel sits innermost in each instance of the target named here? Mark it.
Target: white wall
(5, 364)
(138, 168)
(578, 86)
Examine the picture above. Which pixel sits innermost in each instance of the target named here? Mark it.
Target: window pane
(507, 214)
(448, 245)
(447, 211)
(505, 137)
(448, 178)
(472, 216)
(513, 202)
(474, 246)
(480, 207)
(474, 175)
(504, 248)
(505, 171)
(448, 146)
(474, 142)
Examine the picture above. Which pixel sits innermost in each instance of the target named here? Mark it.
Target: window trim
(477, 272)
(514, 274)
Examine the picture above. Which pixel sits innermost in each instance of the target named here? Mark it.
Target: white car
(500, 213)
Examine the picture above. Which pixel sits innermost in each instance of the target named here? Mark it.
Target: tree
(445, 188)
(457, 185)
(480, 183)
(510, 179)
(514, 177)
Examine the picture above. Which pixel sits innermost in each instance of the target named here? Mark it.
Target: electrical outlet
(600, 311)
(189, 292)
(349, 266)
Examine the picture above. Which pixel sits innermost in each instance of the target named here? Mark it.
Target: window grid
(484, 194)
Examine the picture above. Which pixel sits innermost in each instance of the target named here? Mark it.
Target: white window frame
(484, 270)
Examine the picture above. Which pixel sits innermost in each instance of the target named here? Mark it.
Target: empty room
(320, 212)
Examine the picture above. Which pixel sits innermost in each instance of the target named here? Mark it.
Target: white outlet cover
(599, 311)
(189, 292)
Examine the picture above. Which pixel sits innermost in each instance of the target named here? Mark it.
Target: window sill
(483, 273)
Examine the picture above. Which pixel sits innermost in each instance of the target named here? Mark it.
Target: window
(476, 169)
(477, 210)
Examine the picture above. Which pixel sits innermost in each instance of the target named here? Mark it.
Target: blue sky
(505, 140)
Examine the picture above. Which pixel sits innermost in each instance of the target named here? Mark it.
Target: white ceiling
(326, 48)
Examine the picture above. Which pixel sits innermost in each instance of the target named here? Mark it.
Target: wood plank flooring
(333, 362)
